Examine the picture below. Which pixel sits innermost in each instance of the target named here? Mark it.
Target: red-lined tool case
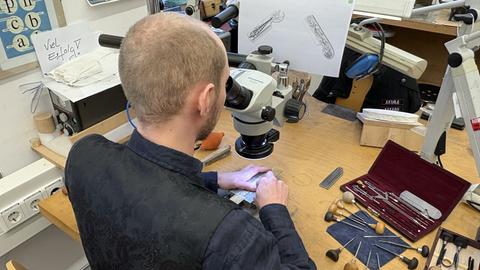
(397, 169)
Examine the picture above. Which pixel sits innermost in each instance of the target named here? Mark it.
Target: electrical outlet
(30, 204)
(53, 187)
(13, 216)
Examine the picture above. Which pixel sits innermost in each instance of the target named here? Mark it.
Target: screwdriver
(352, 265)
(368, 260)
(424, 250)
(334, 254)
(340, 205)
(378, 262)
(411, 263)
(337, 212)
(329, 216)
(379, 227)
(381, 236)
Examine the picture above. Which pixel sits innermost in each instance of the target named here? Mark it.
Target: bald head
(162, 57)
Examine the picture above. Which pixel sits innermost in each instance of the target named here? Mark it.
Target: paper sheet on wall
(311, 34)
(56, 47)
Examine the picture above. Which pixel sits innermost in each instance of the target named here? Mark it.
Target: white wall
(51, 249)
(15, 117)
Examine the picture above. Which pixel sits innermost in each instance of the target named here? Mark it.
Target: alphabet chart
(19, 20)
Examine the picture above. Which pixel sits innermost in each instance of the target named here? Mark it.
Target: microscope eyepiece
(237, 96)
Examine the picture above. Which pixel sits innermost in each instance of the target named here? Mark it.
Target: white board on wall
(78, 10)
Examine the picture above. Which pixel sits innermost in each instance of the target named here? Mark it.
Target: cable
(383, 38)
(473, 23)
(128, 115)
(440, 161)
(35, 88)
(473, 204)
(378, 27)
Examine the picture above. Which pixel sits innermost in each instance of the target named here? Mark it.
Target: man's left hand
(239, 179)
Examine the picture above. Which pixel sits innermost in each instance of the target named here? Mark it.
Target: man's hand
(271, 191)
(238, 179)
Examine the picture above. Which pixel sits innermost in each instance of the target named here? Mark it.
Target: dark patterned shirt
(240, 241)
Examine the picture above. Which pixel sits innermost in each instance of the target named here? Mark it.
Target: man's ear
(206, 98)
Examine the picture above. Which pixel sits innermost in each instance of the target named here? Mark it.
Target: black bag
(391, 90)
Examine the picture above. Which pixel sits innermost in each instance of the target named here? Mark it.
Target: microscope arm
(462, 77)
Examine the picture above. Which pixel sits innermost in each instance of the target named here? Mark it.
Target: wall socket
(53, 187)
(30, 204)
(13, 215)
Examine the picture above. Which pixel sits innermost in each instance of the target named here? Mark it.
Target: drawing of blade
(319, 36)
(266, 25)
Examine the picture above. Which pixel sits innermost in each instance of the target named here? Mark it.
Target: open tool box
(409, 193)
(445, 248)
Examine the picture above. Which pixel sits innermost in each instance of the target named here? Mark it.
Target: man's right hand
(271, 191)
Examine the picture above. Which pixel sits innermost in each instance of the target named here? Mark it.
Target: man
(146, 205)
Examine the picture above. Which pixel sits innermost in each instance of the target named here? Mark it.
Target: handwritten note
(53, 48)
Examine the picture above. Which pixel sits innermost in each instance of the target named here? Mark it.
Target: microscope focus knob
(268, 114)
(68, 130)
(63, 117)
(294, 110)
(189, 10)
(265, 50)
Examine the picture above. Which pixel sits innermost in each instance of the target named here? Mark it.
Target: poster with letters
(19, 20)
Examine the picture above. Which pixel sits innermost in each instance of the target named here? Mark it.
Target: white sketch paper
(310, 34)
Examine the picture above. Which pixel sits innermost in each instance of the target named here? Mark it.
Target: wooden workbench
(306, 153)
